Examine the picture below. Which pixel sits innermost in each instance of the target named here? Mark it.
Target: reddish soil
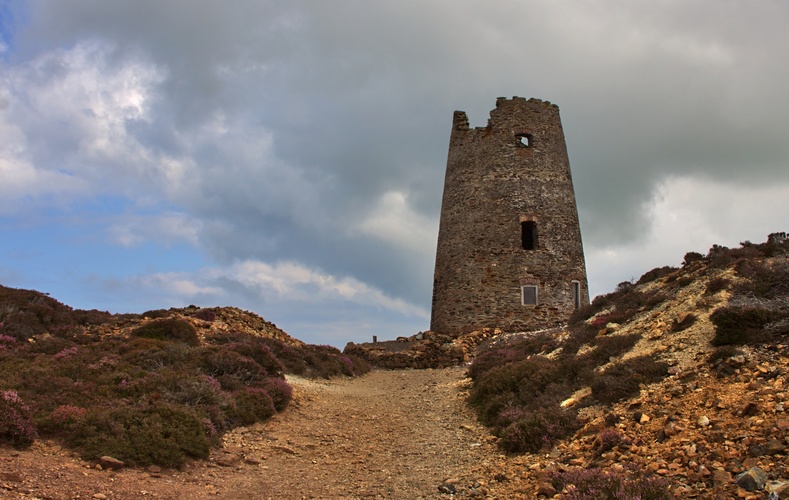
(389, 434)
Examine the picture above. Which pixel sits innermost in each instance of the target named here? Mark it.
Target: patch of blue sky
(71, 258)
(12, 12)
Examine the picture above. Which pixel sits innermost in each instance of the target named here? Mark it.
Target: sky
(287, 156)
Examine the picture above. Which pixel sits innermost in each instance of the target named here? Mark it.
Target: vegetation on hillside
(145, 389)
(530, 388)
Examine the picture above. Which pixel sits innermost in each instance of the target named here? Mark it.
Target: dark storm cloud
(283, 126)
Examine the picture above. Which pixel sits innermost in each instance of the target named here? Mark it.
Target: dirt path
(389, 434)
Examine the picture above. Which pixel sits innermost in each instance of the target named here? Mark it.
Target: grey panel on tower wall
(508, 220)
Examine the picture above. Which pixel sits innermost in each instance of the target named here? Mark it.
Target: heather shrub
(7, 341)
(190, 391)
(534, 431)
(205, 315)
(168, 329)
(231, 369)
(512, 351)
(611, 346)
(739, 325)
(623, 380)
(608, 439)
(764, 280)
(154, 354)
(579, 335)
(279, 390)
(253, 348)
(156, 313)
(582, 314)
(250, 405)
(691, 257)
(61, 420)
(715, 285)
(511, 382)
(159, 433)
(596, 484)
(655, 273)
(16, 422)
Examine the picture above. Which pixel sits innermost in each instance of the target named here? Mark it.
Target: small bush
(168, 329)
(513, 351)
(655, 273)
(16, 422)
(251, 405)
(691, 257)
(231, 369)
(159, 434)
(612, 346)
(739, 325)
(596, 484)
(535, 431)
(608, 439)
(279, 390)
(623, 380)
(205, 315)
(253, 348)
(715, 285)
(156, 313)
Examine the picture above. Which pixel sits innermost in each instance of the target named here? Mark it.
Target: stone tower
(509, 244)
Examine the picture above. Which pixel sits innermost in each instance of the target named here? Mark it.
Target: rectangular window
(529, 235)
(576, 286)
(529, 295)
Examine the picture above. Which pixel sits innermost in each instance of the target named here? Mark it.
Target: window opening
(529, 295)
(529, 235)
(524, 140)
(576, 286)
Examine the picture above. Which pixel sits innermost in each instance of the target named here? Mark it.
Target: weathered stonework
(508, 221)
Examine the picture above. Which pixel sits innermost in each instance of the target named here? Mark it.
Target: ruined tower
(509, 244)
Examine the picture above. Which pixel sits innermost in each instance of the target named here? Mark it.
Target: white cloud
(293, 281)
(691, 214)
(164, 229)
(394, 221)
(66, 114)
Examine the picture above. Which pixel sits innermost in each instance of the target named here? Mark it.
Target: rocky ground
(408, 434)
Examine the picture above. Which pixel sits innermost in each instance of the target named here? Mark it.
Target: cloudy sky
(287, 156)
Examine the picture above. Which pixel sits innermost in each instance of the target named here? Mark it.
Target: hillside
(672, 386)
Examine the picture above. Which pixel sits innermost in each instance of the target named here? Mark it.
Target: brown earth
(389, 434)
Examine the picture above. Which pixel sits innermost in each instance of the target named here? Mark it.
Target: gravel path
(389, 434)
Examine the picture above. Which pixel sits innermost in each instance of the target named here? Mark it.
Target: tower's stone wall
(508, 219)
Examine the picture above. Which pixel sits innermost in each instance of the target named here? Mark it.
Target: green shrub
(655, 273)
(715, 285)
(160, 434)
(611, 346)
(691, 257)
(622, 380)
(739, 325)
(514, 382)
(168, 329)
